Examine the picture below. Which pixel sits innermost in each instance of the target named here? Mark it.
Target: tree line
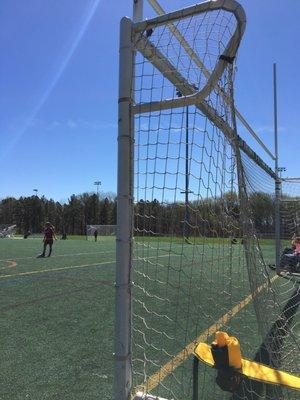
(218, 217)
(209, 217)
(31, 213)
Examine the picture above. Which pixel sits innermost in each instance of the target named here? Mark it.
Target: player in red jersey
(49, 235)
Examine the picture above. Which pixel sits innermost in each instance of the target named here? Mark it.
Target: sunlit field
(57, 320)
(57, 316)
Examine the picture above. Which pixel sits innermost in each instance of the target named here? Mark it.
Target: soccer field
(57, 316)
(57, 320)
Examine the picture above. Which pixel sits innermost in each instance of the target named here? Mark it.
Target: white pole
(123, 373)
(138, 6)
(278, 180)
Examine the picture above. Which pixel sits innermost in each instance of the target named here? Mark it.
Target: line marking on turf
(42, 271)
(63, 255)
(153, 381)
(10, 264)
(76, 254)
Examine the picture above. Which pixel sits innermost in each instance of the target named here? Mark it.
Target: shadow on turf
(272, 345)
(53, 296)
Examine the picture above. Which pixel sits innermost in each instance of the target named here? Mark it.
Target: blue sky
(59, 83)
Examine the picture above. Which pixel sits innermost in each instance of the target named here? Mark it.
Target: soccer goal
(102, 230)
(187, 185)
(7, 231)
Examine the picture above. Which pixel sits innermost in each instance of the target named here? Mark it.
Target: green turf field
(57, 314)
(56, 320)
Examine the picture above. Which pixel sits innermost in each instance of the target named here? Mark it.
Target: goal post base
(145, 396)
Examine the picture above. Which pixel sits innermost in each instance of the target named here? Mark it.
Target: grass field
(57, 315)
(56, 320)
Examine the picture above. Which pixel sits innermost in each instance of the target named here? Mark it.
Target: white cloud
(73, 124)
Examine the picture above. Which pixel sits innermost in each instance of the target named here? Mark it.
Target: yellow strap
(203, 352)
(260, 372)
(252, 369)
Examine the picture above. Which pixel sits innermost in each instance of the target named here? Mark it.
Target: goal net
(196, 214)
(102, 230)
(290, 208)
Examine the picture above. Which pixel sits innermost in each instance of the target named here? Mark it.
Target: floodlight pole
(186, 190)
(186, 216)
(278, 179)
(280, 170)
(36, 192)
(97, 183)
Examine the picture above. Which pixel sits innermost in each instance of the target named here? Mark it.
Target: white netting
(203, 222)
(277, 309)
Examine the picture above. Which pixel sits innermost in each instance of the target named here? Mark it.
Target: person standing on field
(49, 235)
(95, 235)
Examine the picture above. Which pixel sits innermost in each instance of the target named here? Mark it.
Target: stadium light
(97, 183)
(280, 170)
(36, 191)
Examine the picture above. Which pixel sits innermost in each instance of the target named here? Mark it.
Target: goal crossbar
(190, 93)
(156, 6)
(192, 96)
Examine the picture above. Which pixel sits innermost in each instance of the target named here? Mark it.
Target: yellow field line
(153, 380)
(41, 271)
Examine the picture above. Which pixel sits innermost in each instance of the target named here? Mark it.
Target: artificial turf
(56, 320)
(57, 314)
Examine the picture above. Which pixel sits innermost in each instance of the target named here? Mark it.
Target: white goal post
(7, 231)
(102, 230)
(136, 38)
(196, 230)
